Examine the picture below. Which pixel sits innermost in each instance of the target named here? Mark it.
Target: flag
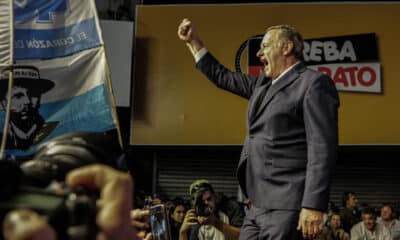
(61, 78)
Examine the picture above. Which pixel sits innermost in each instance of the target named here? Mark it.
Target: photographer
(213, 217)
(114, 205)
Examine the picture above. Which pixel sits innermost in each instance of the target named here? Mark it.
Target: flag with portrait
(61, 78)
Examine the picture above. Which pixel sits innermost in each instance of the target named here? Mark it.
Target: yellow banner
(175, 104)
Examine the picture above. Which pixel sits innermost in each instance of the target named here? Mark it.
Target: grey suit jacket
(290, 149)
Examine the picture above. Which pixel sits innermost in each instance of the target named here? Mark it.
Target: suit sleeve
(235, 82)
(320, 107)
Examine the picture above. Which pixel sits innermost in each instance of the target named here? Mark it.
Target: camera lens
(201, 208)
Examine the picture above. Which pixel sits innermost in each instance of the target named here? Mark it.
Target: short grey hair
(289, 33)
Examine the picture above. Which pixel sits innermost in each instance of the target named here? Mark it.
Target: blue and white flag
(61, 77)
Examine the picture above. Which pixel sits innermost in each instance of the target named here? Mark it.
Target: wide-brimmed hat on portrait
(24, 76)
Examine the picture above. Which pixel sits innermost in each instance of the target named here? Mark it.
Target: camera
(72, 213)
(38, 184)
(200, 208)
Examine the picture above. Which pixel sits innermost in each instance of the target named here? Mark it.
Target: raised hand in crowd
(140, 221)
(190, 220)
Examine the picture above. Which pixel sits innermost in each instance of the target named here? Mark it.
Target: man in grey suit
(290, 149)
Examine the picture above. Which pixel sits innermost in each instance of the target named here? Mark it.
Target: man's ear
(288, 48)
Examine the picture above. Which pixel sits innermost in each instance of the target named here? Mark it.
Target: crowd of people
(355, 222)
(351, 221)
(206, 215)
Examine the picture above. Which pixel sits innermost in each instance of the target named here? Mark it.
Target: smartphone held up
(159, 222)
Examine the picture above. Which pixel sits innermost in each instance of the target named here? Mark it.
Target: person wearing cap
(290, 149)
(213, 217)
(26, 125)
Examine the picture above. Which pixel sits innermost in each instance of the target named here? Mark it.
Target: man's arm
(189, 221)
(235, 212)
(320, 109)
(229, 231)
(235, 82)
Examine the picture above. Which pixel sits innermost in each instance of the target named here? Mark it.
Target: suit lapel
(282, 83)
(260, 93)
